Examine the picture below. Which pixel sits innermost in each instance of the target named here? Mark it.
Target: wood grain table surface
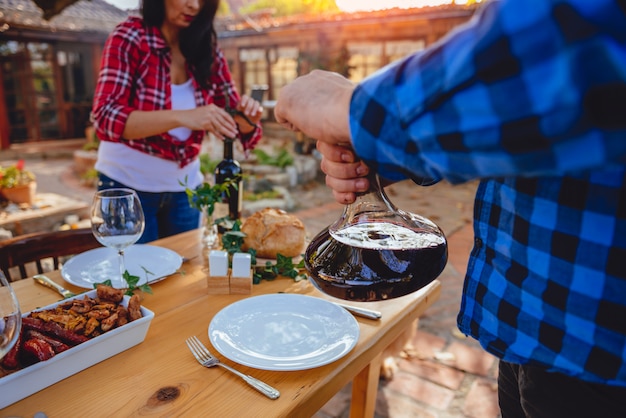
(160, 377)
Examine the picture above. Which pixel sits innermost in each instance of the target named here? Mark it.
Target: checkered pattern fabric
(530, 98)
(134, 75)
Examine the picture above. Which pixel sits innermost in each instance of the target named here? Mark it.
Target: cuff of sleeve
(250, 139)
(113, 129)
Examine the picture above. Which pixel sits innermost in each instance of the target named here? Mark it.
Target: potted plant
(17, 184)
(85, 158)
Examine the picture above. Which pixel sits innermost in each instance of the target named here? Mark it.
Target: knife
(46, 281)
(364, 312)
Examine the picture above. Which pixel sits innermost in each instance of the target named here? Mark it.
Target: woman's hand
(253, 111)
(210, 118)
(345, 173)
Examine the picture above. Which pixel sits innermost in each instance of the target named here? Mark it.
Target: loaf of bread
(273, 231)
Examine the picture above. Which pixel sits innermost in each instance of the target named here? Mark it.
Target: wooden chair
(29, 249)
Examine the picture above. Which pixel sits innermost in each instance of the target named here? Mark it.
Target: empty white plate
(283, 332)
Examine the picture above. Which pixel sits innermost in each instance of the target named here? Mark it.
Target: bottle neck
(372, 204)
(228, 149)
(374, 199)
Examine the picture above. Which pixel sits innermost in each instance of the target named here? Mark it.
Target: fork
(204, 357)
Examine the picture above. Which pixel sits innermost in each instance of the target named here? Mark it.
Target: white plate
(283, 332)
(149, 262)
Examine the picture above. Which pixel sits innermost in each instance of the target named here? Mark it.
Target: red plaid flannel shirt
(134, 75)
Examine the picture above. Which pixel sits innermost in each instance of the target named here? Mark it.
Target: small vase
(209, 231)
(21, 194)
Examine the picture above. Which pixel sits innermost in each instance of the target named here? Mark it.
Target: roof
(264, 21)
(98, 16)
(83, 16)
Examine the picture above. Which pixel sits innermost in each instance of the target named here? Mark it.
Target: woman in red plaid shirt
(163, 84)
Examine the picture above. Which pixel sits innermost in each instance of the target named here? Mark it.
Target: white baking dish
(38, 376)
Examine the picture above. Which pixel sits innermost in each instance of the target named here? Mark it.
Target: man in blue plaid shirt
(530, 98)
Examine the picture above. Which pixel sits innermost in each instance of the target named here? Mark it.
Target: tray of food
(63, 338)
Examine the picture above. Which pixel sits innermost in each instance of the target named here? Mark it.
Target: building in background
(49, 68)
(271, 52)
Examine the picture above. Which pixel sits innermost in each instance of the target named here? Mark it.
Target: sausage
(38, 348)
(53, 329)
(57, 346)
(11, 359)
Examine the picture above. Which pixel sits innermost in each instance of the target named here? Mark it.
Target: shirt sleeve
(226, 94)
(535, 87)
(112, 98)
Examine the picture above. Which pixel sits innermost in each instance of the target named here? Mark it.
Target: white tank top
(146, 172)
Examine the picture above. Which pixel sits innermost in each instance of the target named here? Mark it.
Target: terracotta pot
(21, 194)
(84, 161)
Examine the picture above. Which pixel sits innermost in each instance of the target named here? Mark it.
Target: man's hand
(317, 104)
(345, 173)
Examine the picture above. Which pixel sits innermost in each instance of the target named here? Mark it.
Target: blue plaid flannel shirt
(530, 98)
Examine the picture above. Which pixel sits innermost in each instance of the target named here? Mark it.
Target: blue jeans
(166, 213)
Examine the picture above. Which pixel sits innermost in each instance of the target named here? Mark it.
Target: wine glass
(117, 220)
(10, 317)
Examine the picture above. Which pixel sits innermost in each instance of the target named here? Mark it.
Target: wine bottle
(229, 169)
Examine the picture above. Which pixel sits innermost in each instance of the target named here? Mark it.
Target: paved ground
(449, 376)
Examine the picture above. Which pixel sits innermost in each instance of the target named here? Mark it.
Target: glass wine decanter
(376, 251)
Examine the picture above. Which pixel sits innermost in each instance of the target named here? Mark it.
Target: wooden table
(49, 209)
(160, 376)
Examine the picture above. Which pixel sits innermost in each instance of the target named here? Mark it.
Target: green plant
(284, 266)
(265, 194)
(282, 160)
(93, 142)
(90, 177)
(207, 165)
(207, 195)
(131, 281)
(91, 146)
(15, 175)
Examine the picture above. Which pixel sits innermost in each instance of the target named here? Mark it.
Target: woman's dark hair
(197, 42)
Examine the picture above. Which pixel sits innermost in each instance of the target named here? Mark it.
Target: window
(395, 50)
(365, 58)
(284, 68)
(254, 67)
(74, 61)
(48, 89)
(30, 94)
(44, 90)
(272, 67)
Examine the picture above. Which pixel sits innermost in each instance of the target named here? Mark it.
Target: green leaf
(145, 288)
(232, 240)
(130, 279)
(283, 266)
(206, 195)
(107, 282)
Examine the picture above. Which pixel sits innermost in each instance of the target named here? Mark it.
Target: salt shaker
(218, 263)
(241, 274)
(241, 265)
